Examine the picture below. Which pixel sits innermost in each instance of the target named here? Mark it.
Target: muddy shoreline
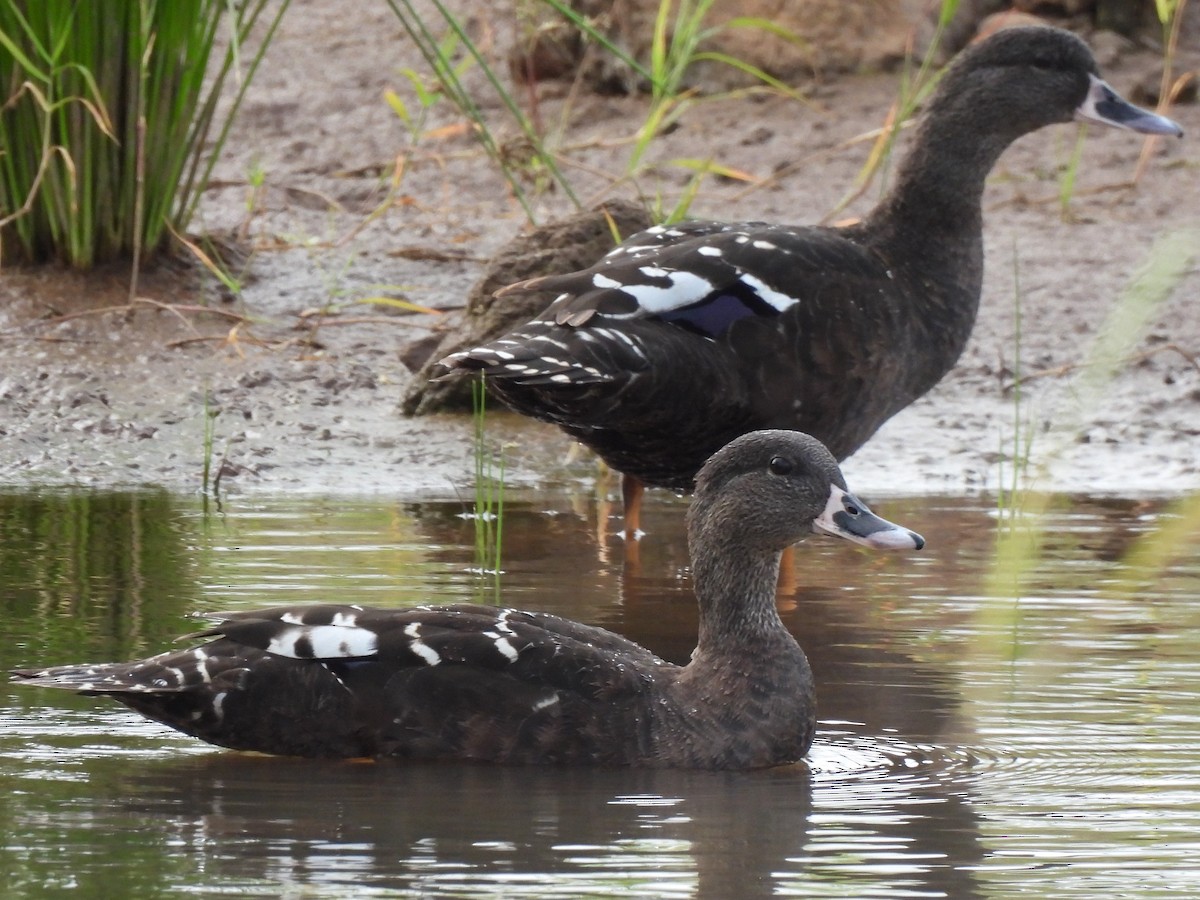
(307, 378)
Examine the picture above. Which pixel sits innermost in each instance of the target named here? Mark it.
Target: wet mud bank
(306, 373)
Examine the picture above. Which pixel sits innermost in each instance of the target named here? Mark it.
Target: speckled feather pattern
(464, 682)
(655, 393)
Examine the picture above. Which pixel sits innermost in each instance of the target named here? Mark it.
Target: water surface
(1042, 744)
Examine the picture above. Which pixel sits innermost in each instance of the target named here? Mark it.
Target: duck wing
(706, 276)
(344, 681)
(672, 345)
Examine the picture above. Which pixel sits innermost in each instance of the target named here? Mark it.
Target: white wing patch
(655, 272)
(684, 288)
(324, 642)
(507, 650)
(500, 637)
(776, 299)
(419, 647)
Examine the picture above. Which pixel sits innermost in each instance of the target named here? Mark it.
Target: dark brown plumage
(686, 336)
(498, 685)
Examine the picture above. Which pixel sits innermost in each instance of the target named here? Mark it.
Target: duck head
(1023, 78)
(770, 489)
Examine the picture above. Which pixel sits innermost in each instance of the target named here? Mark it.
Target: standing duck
(499, 685)
(684, 337)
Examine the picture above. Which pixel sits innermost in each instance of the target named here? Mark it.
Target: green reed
(105, 120)
(488, 513)
(680, 34)
(1170, 18)
(677, 44)
(439, 53)
(1066, 183)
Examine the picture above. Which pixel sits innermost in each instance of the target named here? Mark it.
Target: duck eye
(780, 465)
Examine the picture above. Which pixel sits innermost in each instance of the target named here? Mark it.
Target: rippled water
(973, 744)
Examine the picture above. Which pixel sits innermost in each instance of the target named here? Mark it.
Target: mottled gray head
(1020, 79)
(771, 489)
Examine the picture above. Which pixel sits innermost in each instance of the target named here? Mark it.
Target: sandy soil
(306, 380)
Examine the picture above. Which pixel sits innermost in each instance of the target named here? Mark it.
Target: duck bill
(847, 517)
(1103, 104)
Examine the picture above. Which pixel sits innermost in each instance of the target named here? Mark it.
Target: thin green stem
(488, 514)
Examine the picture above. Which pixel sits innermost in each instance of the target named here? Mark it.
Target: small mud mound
(564, 246)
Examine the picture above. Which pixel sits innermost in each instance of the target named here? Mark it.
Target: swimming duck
(500, 685)
(686, 336)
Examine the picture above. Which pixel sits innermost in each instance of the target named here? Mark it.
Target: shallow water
(971, 746)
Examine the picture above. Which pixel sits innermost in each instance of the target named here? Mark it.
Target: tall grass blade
(753, 71)
(1170, 17)
(200, 165)
(488, 514)
(435, 54)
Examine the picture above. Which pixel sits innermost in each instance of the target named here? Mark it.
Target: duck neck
(929, 232)
(938, 189)
(735, 589)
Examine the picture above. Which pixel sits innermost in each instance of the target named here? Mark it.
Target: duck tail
(540, 354)
(171, 672)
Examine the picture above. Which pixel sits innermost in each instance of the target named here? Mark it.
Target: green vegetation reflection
(91, 572)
